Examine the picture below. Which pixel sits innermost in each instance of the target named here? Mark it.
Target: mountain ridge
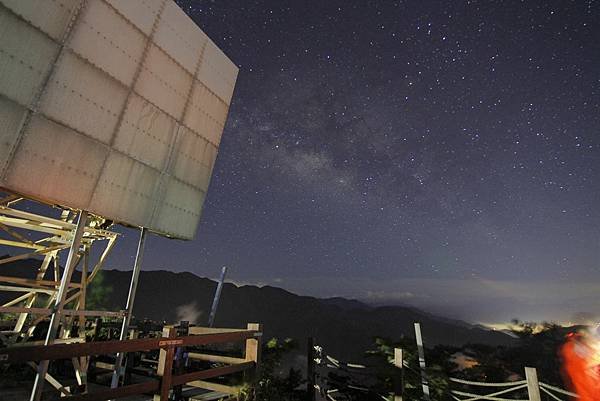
(346, 327)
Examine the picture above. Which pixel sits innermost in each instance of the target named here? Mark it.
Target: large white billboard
(112, 106)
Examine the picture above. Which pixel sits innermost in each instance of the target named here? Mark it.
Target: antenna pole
(215, 304)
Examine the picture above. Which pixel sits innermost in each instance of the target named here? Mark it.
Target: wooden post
(421, 350)
(253, 349)
(399, 375)
(165, 365)
(310, 369)
(533, 387)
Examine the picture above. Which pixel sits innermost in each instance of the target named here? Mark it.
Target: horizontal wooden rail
(210, 373)
(215, 358)
(67, 351)
(150, 386)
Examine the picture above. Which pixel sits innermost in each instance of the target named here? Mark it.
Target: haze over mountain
(346, 327)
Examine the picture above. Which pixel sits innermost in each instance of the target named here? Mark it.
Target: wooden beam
(67, 351)
(119, 392)
(215, 387)
(210, 373)
(253, 346)
(165, 366)
(215, 358)
(197, 330)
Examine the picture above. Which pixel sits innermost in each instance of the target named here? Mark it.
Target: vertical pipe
(310, 370)
(129, 307)
(42, 367)
(421, 351)
(215, 304)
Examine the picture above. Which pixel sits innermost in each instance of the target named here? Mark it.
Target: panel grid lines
(137, 127)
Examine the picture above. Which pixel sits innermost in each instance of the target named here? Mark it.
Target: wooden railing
(167, 344)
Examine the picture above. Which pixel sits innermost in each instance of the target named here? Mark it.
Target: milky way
(442, 154)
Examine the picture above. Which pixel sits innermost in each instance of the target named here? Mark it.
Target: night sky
(442, 154)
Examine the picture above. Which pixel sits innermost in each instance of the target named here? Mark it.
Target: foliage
(438, 366)
(271, 383)
(537, 346)
(98, 292)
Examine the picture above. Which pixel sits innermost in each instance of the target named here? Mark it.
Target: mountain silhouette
(345, 327)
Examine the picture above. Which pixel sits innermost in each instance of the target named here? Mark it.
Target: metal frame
(41, 235)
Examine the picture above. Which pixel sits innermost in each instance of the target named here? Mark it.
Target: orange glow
(581, 366)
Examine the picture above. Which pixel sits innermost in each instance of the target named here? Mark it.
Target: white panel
(217, 72)
(84, 98)
(108, 41)
(55, 163)
(146, 133)
(180, 37)
(180, 210)
(164, 83)
(71, 152)
(125, 190)
(189, 164)
(51, 16)
(206, 114)
(26, 55)
(11, 116)
(140, 13)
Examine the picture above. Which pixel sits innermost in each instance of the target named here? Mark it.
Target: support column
(533, 386)
(118, 372)
(215, 304)
(61, 295)
(399, 374)
(165, 365)
(253, 350)
(421, 351)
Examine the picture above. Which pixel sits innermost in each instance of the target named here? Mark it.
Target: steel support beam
(42, 367)
(118, 372)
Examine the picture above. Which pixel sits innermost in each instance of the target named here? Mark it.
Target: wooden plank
(119, 392)
(67, 351)
(197, 330)
(210, 373)
(399, 374)
(214, 396)
(253, 347)
(215, 358)
(533, 387)
(221, 388)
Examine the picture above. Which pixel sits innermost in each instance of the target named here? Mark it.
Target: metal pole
(118, 372)
(215, 304)
(421, 351)
(42, 367)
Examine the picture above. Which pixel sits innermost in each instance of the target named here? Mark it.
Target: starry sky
(441, 154)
